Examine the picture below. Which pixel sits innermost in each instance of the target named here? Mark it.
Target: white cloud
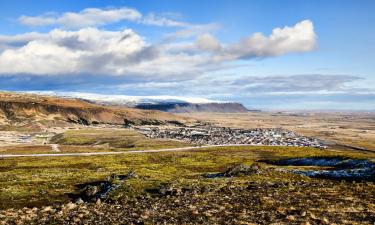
(208, 42)
(152, 19)
(297, 83)
(13, 41)
(85, 18)
(125, 53)
(37, 20)
(195, 30)
(93, 17)
(94, 51)
(87, 50)
(299, 38)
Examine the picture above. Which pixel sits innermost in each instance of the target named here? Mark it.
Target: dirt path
(118, 153)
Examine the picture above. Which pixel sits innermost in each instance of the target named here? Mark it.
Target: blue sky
(265, 54)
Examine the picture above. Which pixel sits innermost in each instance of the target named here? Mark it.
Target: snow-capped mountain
(128, 99)
(176, 104)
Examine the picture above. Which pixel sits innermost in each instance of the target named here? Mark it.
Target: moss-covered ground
(40, 181)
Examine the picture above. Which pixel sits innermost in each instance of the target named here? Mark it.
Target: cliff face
(26, 108)
(190, 107)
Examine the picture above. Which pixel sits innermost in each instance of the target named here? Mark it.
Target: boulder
(241, 169)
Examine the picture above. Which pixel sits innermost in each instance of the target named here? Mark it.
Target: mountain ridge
(172, 104)
(226, 107)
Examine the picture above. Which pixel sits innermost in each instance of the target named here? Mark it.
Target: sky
(282, 55)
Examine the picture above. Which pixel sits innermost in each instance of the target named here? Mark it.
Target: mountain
(173, 104)
(225, 107)
(41, 110)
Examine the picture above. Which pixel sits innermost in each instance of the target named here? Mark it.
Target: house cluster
(210, 135)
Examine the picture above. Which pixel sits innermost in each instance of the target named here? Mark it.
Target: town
(211, 135)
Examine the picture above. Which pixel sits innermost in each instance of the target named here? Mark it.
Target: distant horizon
(193, 100)
(306, 55)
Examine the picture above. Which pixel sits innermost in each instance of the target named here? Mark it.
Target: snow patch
(128, 99)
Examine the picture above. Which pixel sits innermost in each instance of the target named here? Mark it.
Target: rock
(169, 191)
(47, 209)
(290, 218)
(79, 201)
(29, 211)
(69, 206)
(131, 174)
(208, 214)
(91, 190)
(98, 201)
(162, 190)
(325, 220)
(242, 170)
(76, 220)
(100, 169)
(195, 212)
(113, 177)
(42, 192)
(312, 216)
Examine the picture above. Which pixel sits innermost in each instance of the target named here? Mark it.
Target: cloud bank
(125, 53)
(295, 83)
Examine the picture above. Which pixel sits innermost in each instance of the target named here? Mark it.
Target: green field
(113, 138)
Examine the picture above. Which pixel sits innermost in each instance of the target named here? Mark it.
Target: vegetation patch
(112, 138)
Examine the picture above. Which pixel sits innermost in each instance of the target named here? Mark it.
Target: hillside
(39, 110)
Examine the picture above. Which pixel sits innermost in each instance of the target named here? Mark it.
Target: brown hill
(31, 109)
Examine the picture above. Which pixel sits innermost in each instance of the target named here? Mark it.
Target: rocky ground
(233, 199)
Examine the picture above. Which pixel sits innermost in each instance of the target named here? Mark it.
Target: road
(118, 153)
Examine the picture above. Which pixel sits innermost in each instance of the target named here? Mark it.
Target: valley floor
(192, 185)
